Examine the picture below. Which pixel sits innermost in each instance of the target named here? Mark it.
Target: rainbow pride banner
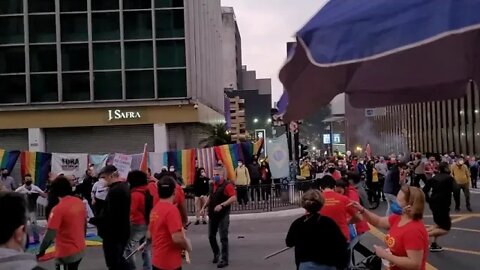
(230, 154)
(8, 159)
(184, 162)
(37, 164)
(207, 160)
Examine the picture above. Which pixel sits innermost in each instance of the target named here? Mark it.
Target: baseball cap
(107, 170)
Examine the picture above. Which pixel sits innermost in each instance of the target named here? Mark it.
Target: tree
(215, 135)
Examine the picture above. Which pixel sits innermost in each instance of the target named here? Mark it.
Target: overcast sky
(266, 26)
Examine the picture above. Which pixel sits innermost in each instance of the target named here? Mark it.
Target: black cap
(107, 170)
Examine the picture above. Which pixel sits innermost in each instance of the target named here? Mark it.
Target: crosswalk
(475, 191)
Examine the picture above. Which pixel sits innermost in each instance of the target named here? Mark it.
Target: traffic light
(303, 150)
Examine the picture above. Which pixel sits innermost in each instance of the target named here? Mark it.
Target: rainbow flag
(257, 147)
(206, 159)
(37, 164)
(8, 159)
(229, 154)
(250, 149)
(184, 162)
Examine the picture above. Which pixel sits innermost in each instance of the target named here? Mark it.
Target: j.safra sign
(119, 115)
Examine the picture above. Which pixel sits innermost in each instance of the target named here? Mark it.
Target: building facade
(232, 50)
(108, 76)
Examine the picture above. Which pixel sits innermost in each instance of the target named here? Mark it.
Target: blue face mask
(396, 209)
(217, 178)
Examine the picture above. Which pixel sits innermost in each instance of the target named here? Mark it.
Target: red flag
(368, 150)
(144, 163)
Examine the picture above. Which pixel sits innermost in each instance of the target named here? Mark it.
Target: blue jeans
(137, 236)
(315, 266)
(32, 218)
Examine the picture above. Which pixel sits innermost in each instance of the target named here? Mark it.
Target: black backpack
(148, 205)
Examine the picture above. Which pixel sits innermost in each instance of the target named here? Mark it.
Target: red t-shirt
(137, 205)
(229, 189)
(179, 193)
(336, 175)
(361, 226)
(411, 236)
(336, 207)
(68, 219)
(165, 220)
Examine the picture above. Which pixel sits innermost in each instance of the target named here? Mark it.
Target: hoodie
(15, 260)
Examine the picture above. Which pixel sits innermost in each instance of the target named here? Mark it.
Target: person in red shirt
(66, 225)
(218, 203)
(407, 238)
(337, 206)
(139, 217)
(166, 229)
(179, 200)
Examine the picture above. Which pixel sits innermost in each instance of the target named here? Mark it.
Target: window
(76, 87)
(168, 3)
(73, 5)
(44, 87)
(13, 89)
(43, 58)
(108, 85)
(104, 4)
(169, 23)
(11, 7)
(171, 53)
(106, 56)
(172, 83)
(105, 26)
(41, 6)
(74, 57)
(12, 60)
(42, 28)
(138, 25)
(74, 27)
(12, 30)
(139, 84)
(136, 4)
(138, 54)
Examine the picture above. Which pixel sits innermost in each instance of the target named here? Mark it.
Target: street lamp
(255, 120)
(269, 120)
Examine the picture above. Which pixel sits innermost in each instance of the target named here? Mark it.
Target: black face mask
(28, 183)
(4, 174)
(331, 170)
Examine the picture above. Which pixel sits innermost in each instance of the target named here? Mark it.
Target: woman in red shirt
(407, 238)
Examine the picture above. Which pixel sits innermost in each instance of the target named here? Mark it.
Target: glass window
(139, 54)
(139, 84)
(13, 89)
(169, 23)
(172, 83)
(12, 60)
(43, 58)
(41, 6)
(106, 26)
(11, 6)
(106, 56)
(136, 4)
(73, 5)
(138, 25)
(42, 28)
(168, 3)
(74, 27)
(108, 85)
(74, 57)
(76, 87)
(44, 87)
(171, 53)
(104, 4)
(12, 30)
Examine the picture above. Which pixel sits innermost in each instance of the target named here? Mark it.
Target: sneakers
(457, 209)
(434, 247)
(469, 208)
(197, 222)
(204, 222)
(215, 259)
(222, 264)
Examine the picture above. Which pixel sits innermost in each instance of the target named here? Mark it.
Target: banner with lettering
(123, 164)
(70, 164)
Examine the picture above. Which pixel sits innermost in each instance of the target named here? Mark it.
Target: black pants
(374, 192)
(113, 250)
(417, 178)
(242, 194)
(474, 180)
(98, 207)
(69, 266)
(381, 179)
(456, 194)
(255, 192)
(220, 225)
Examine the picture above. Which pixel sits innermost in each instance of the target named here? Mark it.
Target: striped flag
(144, 162)
(229, 154)
(8, 159)
(206, 159)
(184, 162)
(38, 165)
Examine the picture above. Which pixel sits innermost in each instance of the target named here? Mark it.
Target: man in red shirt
(337, 206)
(218, 203)
(166, 229)
(66, 225)
(139, 217)
(179, 200)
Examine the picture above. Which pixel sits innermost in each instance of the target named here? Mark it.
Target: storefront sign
(119, 115)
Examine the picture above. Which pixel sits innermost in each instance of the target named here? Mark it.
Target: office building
(232, 50)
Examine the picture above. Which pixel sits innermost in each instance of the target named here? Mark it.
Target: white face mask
(240, 164)
(172, 170)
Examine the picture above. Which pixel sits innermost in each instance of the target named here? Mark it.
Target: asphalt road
(252, 240)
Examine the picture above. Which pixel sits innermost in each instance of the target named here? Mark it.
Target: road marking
(380, 235)
(475, 191)
(471, 252)
(464, 217)
(465, 229)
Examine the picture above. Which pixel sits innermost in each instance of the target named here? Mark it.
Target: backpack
(148, 204)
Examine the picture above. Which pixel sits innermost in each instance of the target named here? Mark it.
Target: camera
(195, 106)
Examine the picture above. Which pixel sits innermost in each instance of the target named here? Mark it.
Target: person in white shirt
(99, 193)
(32, 192)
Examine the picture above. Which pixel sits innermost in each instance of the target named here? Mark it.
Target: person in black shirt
(113, 222)
(201, 187)
(441, 187)
(318, 241)
(84, 189)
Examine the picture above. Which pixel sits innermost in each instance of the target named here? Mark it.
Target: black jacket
(442, 186)
(318, 239)
(114, 220)
(201, 186)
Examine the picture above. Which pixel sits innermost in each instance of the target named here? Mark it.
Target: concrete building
(238, 130)
(108, 76)
(232, 50)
